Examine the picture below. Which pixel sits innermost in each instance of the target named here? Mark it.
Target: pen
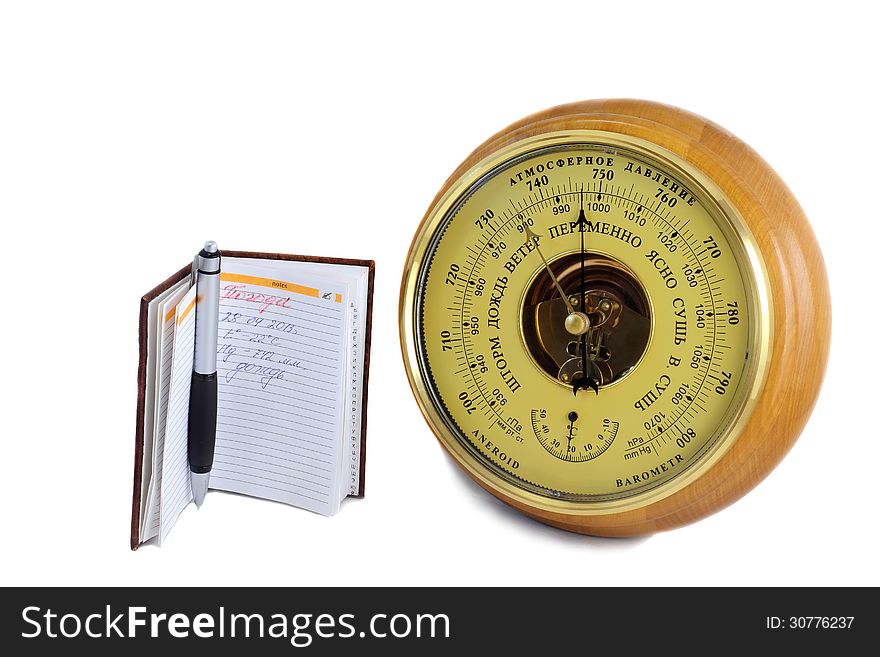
(203, 393)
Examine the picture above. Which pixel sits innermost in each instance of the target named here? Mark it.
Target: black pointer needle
(584, 381)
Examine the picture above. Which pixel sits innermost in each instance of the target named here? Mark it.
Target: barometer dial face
(587, 317)
(614, 316)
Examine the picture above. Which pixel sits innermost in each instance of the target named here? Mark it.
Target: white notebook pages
(164, 346)
(290, 358)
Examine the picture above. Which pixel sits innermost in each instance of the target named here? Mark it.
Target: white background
(130, 133)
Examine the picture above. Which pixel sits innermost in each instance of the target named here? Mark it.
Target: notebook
(293, 348)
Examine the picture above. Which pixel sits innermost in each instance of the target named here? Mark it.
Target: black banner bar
(430, 621)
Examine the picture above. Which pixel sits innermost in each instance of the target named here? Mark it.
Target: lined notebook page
(280, 366)
(147, 472)
(167, 311)
(175, 492)
(356, 277)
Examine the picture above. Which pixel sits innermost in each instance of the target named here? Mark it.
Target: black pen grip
(202, 422)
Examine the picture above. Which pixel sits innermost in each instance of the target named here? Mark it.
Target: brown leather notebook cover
(142, 366)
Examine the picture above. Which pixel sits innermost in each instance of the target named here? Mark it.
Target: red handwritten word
(236, 293)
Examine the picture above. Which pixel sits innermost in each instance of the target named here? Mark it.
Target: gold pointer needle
(531, 237)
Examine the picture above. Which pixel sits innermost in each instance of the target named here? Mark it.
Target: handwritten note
(280, 365)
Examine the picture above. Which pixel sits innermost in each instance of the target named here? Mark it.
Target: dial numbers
(572, 443)
(650, 420)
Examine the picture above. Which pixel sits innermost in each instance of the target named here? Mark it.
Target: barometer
(615, 317)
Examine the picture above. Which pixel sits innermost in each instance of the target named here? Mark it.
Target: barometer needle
(531, 237)
(571, 418)
(584, 381)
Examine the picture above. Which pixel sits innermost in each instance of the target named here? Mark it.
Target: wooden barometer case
(615, 317)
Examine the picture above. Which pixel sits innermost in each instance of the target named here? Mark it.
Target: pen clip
(195, 270)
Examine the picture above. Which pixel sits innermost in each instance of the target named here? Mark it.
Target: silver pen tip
(210, 247)
(199, 484)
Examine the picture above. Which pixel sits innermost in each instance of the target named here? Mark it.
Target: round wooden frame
(795, 274)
